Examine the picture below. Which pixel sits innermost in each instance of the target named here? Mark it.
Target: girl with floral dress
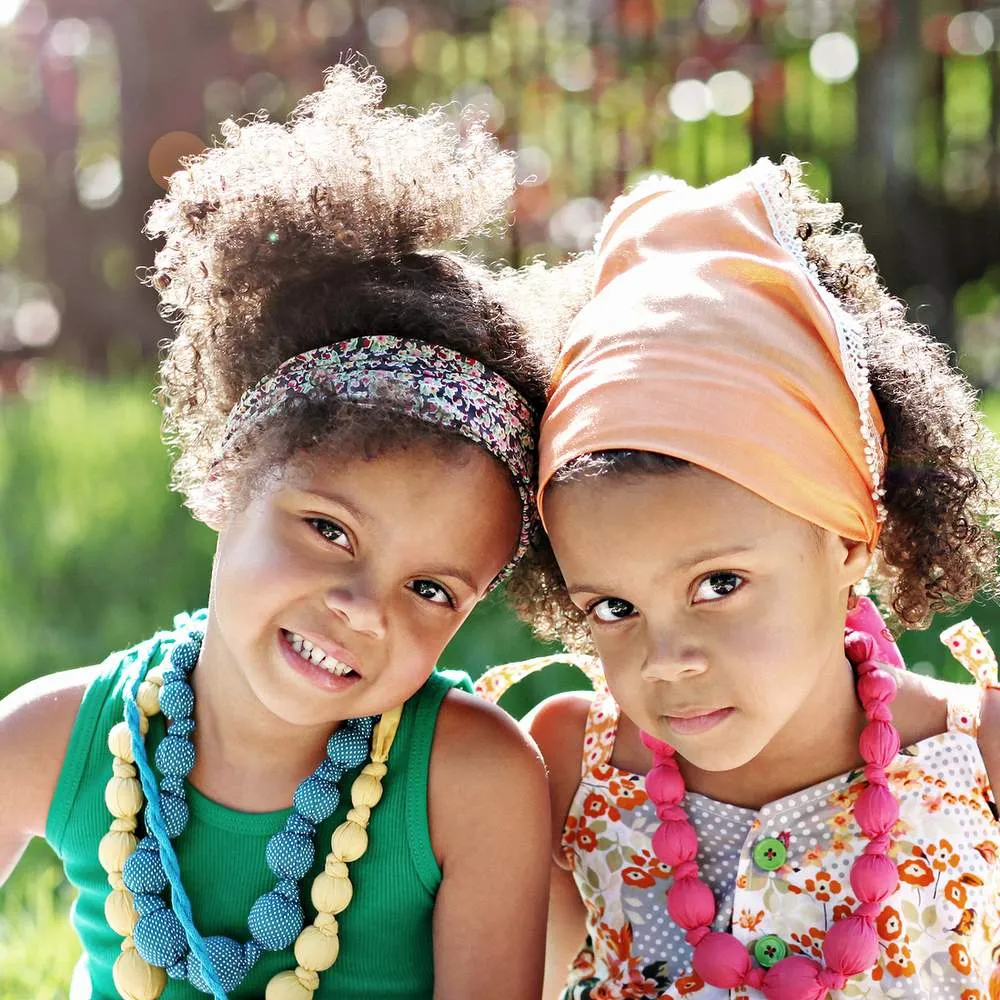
(761, 801)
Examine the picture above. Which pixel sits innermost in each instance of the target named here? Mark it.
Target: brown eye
(330, 531)
(715, 586)
(611, 609)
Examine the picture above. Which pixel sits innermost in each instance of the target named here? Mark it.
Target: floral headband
(425, 381)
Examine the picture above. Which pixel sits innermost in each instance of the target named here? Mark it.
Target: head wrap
(425, 381)
(711, 339)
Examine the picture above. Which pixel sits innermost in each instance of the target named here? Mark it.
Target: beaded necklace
(160, 940)
(851, 945)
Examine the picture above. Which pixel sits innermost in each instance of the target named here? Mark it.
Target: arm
(557, 725)
(490, 831)
(989, 737)
(35, 724)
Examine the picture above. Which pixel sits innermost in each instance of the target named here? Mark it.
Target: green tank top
(386, 931)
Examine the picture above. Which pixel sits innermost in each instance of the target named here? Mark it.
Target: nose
(671, 656)
(359, 609)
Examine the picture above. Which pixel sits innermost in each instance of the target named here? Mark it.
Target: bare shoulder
(484, 771)
(558, 725)
(35, 725)
(989, 736)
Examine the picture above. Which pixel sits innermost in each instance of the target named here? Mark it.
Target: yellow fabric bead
(114, 848)
(335, 868)
(316, 949)
(125, 824)
(155, 676)
(115, 880)
(120, 912)
(330, 894)
(289, 986)
(359, 815)
(366, 790)
(122, 769)
(123, 796)
(135, 978)
(120, 742)
(349, 841)
(148, 698)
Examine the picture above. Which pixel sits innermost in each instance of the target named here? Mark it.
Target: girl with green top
(279, 797)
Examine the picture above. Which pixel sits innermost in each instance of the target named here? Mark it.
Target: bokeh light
(731, 92)
(690, 100)
(36, 320)
(970, 33)
(69, 38)
(723, 18)
(166, 153)
(8, 180)
(833, 57)
(99, 184)
(574, 226)
(9, 9)
(388, 26)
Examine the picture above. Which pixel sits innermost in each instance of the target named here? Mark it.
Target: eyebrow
(340, 501)
(362, 517)
(706, 555)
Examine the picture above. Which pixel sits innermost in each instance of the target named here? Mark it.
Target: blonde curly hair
(938, 547)
(288, 237)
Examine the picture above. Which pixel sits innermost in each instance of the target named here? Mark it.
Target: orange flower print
(988, 850)
(689, 984)
(899, 962)
(942, 855)
(916, 871)
(637, 877)
(972, 995)
(594, 806)
(889, 924)
(960, 958)
(822, 886)
(810, 943)
(586, 839)
(742, 881)
(750, 921)
(650, 863)
(955, 893)
(842, 911)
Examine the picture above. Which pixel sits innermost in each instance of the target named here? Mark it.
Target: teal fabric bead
(290, 855)
(175, 756)
(175, 814)
(228, 960)
(159, 938)
(177, 700)
(275, 921)
(143, 871)
(316, 799)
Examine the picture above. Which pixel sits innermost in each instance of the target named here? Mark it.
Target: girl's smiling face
(374, 563)
(719, 617)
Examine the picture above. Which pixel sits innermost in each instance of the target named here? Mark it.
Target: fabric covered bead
(159, 938)
(665, 784)
(120, 742)
(350, 742)
(349, 841)
(287, 986)
(275, 921)
(143, 871)
(851, 945)
(177, 700)
(185, 655)
(252, 952)
(181, 727)
(874, 878)
(148, 698)
(316, 799)
(228, 960)
(794, 978)
(366, 790)
(175, 814)
(879, 743)
(876, 810)
(135, 978)
(179, 970)
(317, 949)
(297, 823)
(120, 913)
(690, 903)
(331, 894)
(675, 841)
(290, 855)
(113, 850)
(123, 796)
(721, 960)
(175, 757)
(147, 902)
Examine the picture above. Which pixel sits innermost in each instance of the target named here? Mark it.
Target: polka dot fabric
(936, 934)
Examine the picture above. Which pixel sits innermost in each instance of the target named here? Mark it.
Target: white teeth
(316, 655)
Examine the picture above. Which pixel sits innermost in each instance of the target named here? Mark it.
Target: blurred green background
(896, 106)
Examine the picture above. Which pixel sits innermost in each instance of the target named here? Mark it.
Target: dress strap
(968, 645)
(497, 681)
(600, 733)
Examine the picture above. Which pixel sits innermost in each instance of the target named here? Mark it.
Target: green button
(769, 853)
(769, 950)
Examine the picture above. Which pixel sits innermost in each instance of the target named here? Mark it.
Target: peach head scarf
(710, 339)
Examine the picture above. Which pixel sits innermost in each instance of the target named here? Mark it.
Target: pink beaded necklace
(851, 945)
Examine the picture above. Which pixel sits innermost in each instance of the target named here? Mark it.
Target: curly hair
(938, 547)
(287, 237)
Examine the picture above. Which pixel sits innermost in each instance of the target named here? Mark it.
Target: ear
(854, 558)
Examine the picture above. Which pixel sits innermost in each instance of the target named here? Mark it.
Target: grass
(96, 554)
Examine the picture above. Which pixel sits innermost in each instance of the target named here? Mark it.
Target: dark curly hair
(938, 547)
(287, 237)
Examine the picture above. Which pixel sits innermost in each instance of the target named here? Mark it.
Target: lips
(691, 721)
(322, 653)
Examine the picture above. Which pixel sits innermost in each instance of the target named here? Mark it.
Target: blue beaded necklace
(166, 935)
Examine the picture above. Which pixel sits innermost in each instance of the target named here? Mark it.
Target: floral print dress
(781, 873)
